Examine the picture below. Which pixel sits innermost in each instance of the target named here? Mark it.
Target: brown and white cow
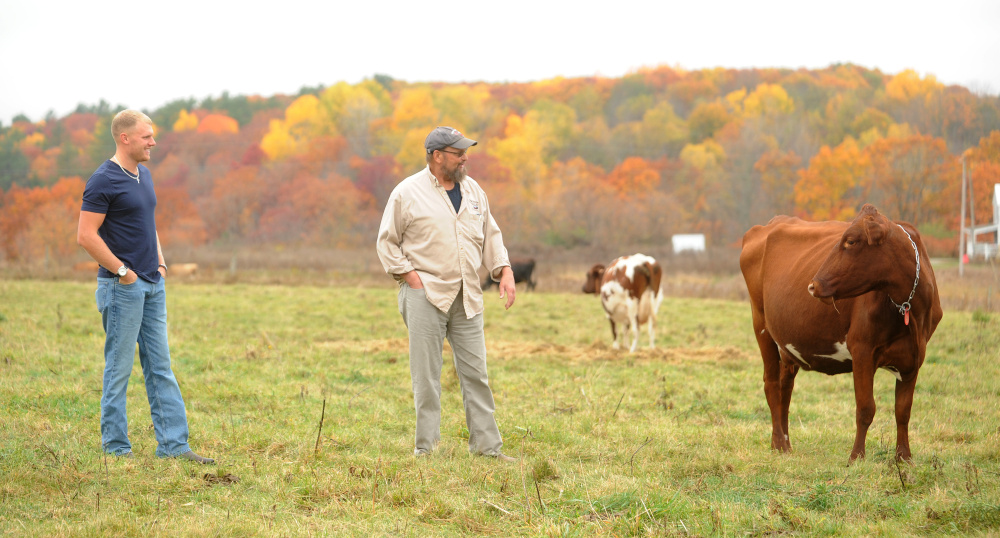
(877, 307)
(630, 293)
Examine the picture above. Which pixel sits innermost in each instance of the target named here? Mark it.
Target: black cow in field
(522, 269)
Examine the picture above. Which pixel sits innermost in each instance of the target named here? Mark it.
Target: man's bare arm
(88, 238)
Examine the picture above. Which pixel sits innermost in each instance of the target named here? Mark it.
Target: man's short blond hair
(125, 120)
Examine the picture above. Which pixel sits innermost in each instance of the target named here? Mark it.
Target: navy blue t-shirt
(129, 209)
(455, 194)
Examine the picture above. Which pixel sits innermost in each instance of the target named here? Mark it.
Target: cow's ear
(875, 230)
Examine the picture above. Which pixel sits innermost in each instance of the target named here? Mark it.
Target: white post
(961, 227)
(972, 216)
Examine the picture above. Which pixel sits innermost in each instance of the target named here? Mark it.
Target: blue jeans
(138, 313)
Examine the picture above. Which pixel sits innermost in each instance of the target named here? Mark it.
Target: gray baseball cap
(444, 137)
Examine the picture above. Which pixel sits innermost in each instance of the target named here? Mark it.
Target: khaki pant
(428, 327)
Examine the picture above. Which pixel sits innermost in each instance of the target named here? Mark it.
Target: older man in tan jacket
(437, 230)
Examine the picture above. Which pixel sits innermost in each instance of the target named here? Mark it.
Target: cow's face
(594, 278)
(857, 264)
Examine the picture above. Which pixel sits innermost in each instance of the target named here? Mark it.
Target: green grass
(673, 441)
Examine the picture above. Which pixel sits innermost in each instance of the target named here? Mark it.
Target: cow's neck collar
(904, 309)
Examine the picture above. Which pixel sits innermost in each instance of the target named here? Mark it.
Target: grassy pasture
(671, 441)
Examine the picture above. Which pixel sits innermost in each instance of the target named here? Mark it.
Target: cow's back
(777, 262)
(787, 250)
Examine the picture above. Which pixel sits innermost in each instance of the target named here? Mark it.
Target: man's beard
(457, 175)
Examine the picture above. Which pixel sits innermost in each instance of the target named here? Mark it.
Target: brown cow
(858, 271)
(182, 269)
(630, 293)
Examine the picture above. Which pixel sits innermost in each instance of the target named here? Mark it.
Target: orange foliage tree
(218, 124)
(177, 219)
(983, 162)
(634, 178)
(714, 150)
(909, 176)
(832, 188)
(40, 223)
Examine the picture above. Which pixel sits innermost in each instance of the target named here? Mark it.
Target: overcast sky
(55, 54)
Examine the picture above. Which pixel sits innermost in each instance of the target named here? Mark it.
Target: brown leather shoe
(191, 456)
(503, 457)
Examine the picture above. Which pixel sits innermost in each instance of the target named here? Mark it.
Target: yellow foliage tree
(900, 130)
(303, 113)
(414, 112)
(701, 179)
(411, 155)
(735, 100)
(352, 110)
(708, 154)
(304, 120)
(556, 123)
(661, 131)
(278, 142)
(33, 141)
(415, 109)
(467, 107)
(767, 100)
(339, 98)
(522, 150)
(706, 119)
(908, 85)
(186, 121)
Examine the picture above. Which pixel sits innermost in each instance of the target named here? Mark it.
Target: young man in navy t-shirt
(118, 229)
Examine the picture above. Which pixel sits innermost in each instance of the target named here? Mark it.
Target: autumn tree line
(567, 162)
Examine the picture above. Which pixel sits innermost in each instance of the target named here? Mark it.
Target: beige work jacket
(421, 231)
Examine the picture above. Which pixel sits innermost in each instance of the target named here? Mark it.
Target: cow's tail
(655, 279)
(657, 299)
